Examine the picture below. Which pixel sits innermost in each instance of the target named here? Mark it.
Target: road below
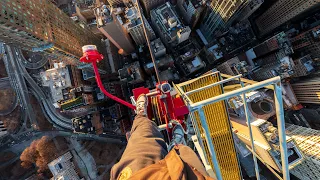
(53, 116)
(18, 83)
(22, 141)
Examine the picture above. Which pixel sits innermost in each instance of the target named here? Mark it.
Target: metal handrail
(259, 85)
(275, 83)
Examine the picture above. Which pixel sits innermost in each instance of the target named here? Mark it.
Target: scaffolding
(205, 99)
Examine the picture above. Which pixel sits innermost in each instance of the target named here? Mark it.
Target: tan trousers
(147, 147)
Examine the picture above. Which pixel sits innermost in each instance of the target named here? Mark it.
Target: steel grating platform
(217, 119)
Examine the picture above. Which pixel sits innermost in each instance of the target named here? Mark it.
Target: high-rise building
(229, 67)
(148, 5)
(110, 23)
(219, 16)
(190, 10)
(132, 73)
(168, 26)
(115, 2)
(3, 129)
(303, 66)
(308, 42)
(27, 26)
(282, 11)
(135, 27)
(65, 6)
(249, 9)
(85, 16)
(158, 48)
(272, 58)
(116, 61)
(188, 59)
(307, 91)
(63, 167)
(57, 79)
(84, 11)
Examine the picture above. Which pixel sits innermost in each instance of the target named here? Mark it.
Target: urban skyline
(62, 118)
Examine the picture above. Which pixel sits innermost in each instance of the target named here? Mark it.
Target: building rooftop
(193, 65)
(168, 19)
(63, 168)
(132, 18)
(57, 79)
(214, 50)
(196, 3)
(158, 47)
(132, 73)
(83, 124)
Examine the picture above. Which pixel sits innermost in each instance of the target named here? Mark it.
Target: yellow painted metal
(218, 121)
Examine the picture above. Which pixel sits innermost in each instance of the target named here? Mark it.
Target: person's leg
(145, 146)
(190, 157)
(187, 155)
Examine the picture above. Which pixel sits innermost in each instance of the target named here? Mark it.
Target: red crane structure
(92, 55)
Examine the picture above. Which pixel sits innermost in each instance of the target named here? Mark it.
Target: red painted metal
(138, 91)
(100, 85)
(180, 109)
(172, 108)
(297, 107)
(93, 56)
(142, 90)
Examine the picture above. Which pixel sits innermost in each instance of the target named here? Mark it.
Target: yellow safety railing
(218, 121)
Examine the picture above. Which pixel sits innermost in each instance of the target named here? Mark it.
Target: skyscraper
(115, 59)
(3, 130)
(219, 15)
(282, 11)
(115, 2)
(168, 26)
(190, 10)
(135, 28)
(247, 11)
(110, 23)
(307, 90)
(148, 5)
(308, 42)
(27, 26)
(84, 11)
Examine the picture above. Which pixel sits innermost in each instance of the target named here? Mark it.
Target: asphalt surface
(19, 78)
(22, 141)
(39, 60)
(54, 117)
